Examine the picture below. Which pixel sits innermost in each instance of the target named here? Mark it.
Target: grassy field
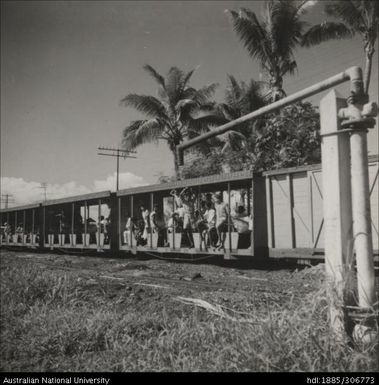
(67, 313)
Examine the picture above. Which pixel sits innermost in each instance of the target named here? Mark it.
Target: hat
(217, 195)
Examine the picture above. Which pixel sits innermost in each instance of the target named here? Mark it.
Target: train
(284, 207)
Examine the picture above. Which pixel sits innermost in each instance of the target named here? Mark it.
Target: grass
(58, 321)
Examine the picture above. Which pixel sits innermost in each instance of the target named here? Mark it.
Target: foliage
(208, 164)
(172, 116)
(286, 139)
(272, 39)
(357, 17)
(240, 99)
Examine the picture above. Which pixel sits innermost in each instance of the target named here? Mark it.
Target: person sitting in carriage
(210, 220)
(146, 221)
(241, 222)
(175, 222)
(19, 232)
(185, 201)
(158, 225)
(139, 233)
(202, 227)
(128, 231)
(222, 213)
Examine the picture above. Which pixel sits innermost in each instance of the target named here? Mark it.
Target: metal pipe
(44, 224)
(85, 223)
(229, 219)
(353, 73)
(24, 226)
(31, 241)
(99, 224)
(132, 219)
(120, 232)
(361, 215)
(151, 225)
(72, 219)
(118, 167)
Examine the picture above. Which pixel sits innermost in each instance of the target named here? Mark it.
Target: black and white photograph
(189, 186)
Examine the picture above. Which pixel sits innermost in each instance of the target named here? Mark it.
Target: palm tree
(273, 39)
(240, 99)
(170, 117)
(357, 16)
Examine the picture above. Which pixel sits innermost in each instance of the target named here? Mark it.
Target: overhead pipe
(354, 74)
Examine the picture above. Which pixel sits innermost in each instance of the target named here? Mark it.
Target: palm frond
(252, 35)
(288, 67)
(142, 131)
(349, 11)
(303, 6)
(326, 31)
(174, 84)
(155, 75)
(286, 27)
(256, 93)
(203, 95)
(146, 104)
(234, 91)
(187, 77)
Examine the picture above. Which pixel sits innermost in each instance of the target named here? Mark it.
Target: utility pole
(116, 152)
(6, 199)
(44, 187)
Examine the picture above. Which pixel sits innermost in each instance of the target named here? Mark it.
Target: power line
(118, 153)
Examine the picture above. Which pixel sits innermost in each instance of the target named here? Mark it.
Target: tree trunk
(367, 74)
(176, 164)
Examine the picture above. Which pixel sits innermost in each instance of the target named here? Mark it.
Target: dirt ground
(65, 312)
(149, 281)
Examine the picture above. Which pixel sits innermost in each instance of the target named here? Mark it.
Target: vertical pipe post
(118, 167)
(7, 240)
(43, 225)
(99, 224)
(362, 218)
(85, 223)
(250, 211)
(174, 226)
(72, 222)
(15, 225)
(335, 155)
(151, 227)
(310, 208)
(32, 235)
(23, 226)
(229, 220)
(271, 239)
(119, 232)
(132, 215)
(291, 204)
(358, 121)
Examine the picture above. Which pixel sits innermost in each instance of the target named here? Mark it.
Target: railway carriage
(285, 207)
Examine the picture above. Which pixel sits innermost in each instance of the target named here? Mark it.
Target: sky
(65, 66)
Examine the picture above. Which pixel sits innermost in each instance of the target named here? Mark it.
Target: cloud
(24, 192)
(126, 180)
